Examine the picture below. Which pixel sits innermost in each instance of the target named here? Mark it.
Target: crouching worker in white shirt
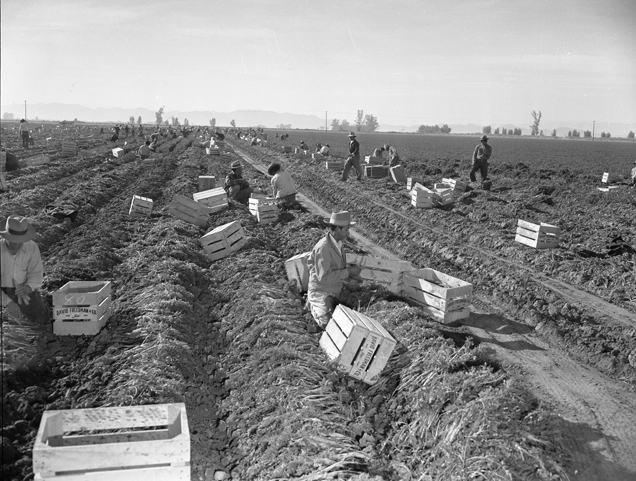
(282, 184)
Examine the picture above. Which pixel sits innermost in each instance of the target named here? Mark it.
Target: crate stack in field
(298, 271)
(411, 181)
(215, 199)
(397, 174)
(376, 171)
(457, 186)
(538, 236)
(443, 195)
(69, 148)
(140, 206)
(189, 210)
(265, 210)
(81, 308)
(206, 182)
(387, 272)
(422, 197)
(372, 160)
(443, 297)
(335, 165)
(223, 240)
(128, 443)
(360, 345)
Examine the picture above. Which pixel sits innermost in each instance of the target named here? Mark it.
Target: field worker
(127, 130)
(482, 153)
(144, 150)
(378, 152)
(394, 158)
(23, 130)
(283, 185)
(154, 136)
(634, 174)
(327, 265)
(21, 271)
(219, 136)
(236, 186)
(115, 136)
(303, 145)
(325, 150)
(353, 159)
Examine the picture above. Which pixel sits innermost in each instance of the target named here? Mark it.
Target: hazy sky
(404, 61)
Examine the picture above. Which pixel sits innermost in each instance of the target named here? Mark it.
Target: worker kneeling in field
(21, 271)
(327, 265)
(144, 150)
(394, 157)
(283, 185)
(378, 152)
(235, 185)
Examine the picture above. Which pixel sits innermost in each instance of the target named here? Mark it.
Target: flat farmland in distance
(544, 153)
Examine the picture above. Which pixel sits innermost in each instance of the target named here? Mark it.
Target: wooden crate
(213, 151)
(3, 182)
(40, 159)
(538, 236)
(223, 240)
(421, 197)
(357, 343)
(69, 148)
(334, 165)
(609, 188)
(189, 211)
(444, 297)
(457, 185)
(87, 326)
(298, 271)
(140, 206)
(376, 171)
(82, 293)
(411, 181)
(206, 182)
(605, 177)
(81, 308)
(215, 199)
(265, 210)
(129, 443)
(443, 195)
(371, 160)
(89, 311)
(317, 156)
(286, 149)
(383, 271)
(397, 174)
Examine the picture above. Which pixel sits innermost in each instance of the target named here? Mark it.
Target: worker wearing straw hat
(354, 158)
(235, 185)
(21, 271)
(328, 268)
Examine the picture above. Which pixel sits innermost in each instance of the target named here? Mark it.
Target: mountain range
(269, 119)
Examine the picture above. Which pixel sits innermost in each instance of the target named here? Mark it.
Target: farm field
(231, 338)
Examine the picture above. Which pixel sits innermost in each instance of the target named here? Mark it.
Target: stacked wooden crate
(189, 210)
(457, 185)
(359, 345)
(128, 443)
(376, 171)
(206, 182)
(443, 297)
(140, 206)
(335, 165)
(421, 197)
(443, 195)
(265, 210)
(223, 240)
(81, 308)
(411, 181)
(538, 236)
(371, 160)
(298, 271)
(215, 199)
(69, 148)
(383, 271)
(397, 174)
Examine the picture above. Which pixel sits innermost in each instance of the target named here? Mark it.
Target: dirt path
(599, 413)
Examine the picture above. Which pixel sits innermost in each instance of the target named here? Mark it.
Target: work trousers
(36, 311)
(353, 161)
(480, 166)
(25, 139)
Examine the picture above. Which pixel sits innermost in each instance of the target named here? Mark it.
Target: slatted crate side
(210, 196)
(443, 196)
(423, 297)
(456, 185)
(382, 355)
(317, 156)
(334, 165)
(398, 174)
(189, 206)
(200, 220)
(85, 456)
(437, 283)
(422, 198)
(411, 181)
(80, 327)
(3, 182)
(343, 338)
(375, 171)
(298, 270)
(384, 271)
(206, 182)
(91, 312)
(75, 293)
(537, 243)
(445, 317)
(368, 349)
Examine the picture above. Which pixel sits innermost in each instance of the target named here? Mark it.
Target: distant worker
(283, 185)
(378, 152)
(325, 150)
(235, 185)
(303, 145)
(220, 136)
(115, 136)
(354, 158)
(23, 131)
(328, 269)
(154, 136)
(21, 271)
(394, 158)
(318, 147)
(482, 153)
(634, 174)
(127, 130)
(144, 150)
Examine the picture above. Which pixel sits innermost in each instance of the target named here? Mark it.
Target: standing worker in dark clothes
(115, 136)
(482, 153)
(353, 159)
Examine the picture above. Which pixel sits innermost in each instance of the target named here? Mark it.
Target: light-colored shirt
(23, 268)
(324, 150)
(24, 127)
(283, 184)
(634, 173)
(327, 267)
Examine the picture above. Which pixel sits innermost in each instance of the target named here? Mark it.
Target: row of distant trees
(363, 123)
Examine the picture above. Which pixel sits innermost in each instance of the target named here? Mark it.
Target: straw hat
(236, 164)
(351, 134)
(18, 230)
(341, 219)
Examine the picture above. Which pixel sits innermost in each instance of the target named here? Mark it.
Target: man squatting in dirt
(482, 153)
(327, 265)
(21, 271)
(283, 185)
(235, 185)
(353, 159)
(144, 150)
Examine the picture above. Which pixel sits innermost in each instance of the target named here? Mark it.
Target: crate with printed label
(81, 308)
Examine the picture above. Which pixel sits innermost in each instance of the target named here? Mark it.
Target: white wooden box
(78, 293)
(443, 195)
(140, 206)
(398, 175)
(81, 308)
(376, 171)
(129, 443)
(538, 236)
(298, 271)
(605, 177)
(457, 185)
(411, 181)
(444, 297)
(265, 210)
(206, 182)
(213, 151)
(357, 343)
(3, 182)
(421, 197)
(383, 271)
(118, 152)
(215, 199)
(69, 148)
(189, 211)
(223, 240)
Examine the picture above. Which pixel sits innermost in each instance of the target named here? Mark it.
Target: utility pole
(325, 121)
(25, 117)
(593, 125)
